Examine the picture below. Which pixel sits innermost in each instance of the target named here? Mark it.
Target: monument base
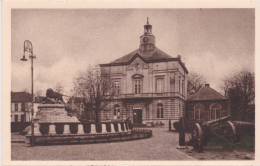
(54, 113)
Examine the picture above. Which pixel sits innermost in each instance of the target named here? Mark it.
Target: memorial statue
(53, 97)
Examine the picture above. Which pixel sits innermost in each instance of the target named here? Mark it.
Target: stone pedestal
(52, 129)
(104, 128)
(80, 129)
(112, 128)
(66, 129)
(93, 129)
(119, 127)
(54, 113)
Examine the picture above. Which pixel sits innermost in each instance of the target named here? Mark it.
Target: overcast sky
(212, 42)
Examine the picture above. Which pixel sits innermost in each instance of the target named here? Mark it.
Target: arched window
(116, 111)
(137, 83)
(215, 111)
(197, 111)
(159, 110)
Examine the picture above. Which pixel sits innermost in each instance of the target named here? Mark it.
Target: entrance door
(137, 116)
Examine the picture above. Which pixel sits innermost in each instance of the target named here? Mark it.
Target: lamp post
(28, 49)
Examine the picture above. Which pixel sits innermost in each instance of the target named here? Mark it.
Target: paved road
(162, 146)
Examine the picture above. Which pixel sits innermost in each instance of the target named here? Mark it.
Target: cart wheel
(230, 132)
(197, 137)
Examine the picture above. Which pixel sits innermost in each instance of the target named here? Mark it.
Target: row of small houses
(207, 104)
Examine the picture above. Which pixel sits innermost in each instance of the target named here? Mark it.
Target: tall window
(137, 83)
(116, 111)
(179, 84)
(117, 87)
(16, 107)
(215, 111)
(197, 111)
(81, 107)
(172, 84)
(180, 110)
(15, 118)
(23, 118)
(26, 106)
(23, 107)
(159, 86)
(183, 87)
(159, 110)
(137, 86)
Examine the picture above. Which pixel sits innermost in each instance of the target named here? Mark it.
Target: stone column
(80, 129)
(126, 126)
(93, 129)
(112, 128)
(52, 129)
(66, 129)
(104, 128)
(119, 127)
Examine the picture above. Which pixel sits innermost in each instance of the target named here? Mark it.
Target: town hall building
(150, 85)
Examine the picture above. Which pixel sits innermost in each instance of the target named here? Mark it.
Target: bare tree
(195, 82)
(240, 89)
(95, 88)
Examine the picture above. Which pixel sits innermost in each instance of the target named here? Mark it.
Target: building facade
(150, 85)
(20, 110)
(207, 104)
(21, 104)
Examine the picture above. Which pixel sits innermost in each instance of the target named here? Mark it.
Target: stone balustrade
(79, 128)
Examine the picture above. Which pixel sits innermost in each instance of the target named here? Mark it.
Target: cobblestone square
(161, 146)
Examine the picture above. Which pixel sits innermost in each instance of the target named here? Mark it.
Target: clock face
(145, 39)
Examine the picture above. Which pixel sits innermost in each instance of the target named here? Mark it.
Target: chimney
(207, 85)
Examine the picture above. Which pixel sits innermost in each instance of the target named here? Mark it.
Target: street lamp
(28, 49)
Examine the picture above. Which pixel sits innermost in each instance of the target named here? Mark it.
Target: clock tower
(147, 40)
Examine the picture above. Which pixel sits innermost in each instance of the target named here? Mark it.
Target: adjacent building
(20, 110)
(207, 104)
(21, 104)
(150, 85)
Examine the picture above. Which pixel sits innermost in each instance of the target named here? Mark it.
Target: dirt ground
(161, 146)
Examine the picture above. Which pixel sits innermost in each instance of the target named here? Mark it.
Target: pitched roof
(156, 55)
(206, 93)
(21, 97)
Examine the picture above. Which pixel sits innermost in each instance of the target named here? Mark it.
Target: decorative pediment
(137, 62)
(137, 76)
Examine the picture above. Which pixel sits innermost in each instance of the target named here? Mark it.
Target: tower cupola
(147, 40)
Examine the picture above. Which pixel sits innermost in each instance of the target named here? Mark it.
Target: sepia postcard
(130, 82)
